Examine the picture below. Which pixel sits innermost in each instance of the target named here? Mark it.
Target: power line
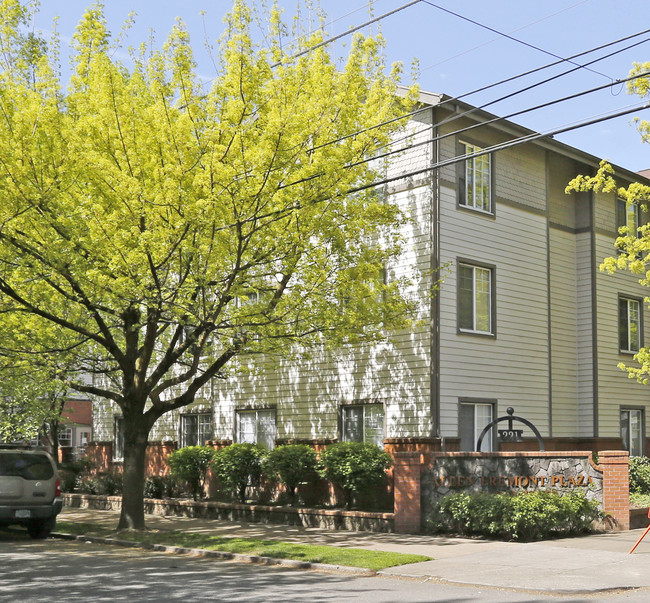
(547, 66)
(546, 81)
(512, 78)
(495, 119)
(509, 37)
(499, 147)
(467, 51)
(347, 33)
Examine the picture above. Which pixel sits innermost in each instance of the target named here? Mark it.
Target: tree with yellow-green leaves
(634, 247)
(156, 232)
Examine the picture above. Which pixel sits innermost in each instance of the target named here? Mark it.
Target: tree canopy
(155, 228)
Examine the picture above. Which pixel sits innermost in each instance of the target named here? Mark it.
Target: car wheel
(40, 529)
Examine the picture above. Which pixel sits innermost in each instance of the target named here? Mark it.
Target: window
(65, 436)
(256, 427)
(475, 299)
(118, 438)
(363, 423)
(84, 438)
(629, 325)
(196, 429)
(473, 417)
(627, 215)
(475, 182)
(632, 430)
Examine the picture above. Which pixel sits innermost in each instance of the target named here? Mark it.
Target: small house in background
(75, 429)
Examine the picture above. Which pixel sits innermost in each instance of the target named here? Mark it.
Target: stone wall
(499, 473)
(421, 479)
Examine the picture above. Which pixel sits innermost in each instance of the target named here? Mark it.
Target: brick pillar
(406, 476)
(616, 485)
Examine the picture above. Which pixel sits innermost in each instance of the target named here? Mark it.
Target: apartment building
(512, 311)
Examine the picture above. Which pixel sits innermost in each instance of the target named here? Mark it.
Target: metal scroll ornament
(510, 434)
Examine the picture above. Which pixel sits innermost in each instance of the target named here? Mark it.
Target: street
(59, 570)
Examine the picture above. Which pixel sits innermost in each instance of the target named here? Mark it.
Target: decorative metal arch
(510, 418)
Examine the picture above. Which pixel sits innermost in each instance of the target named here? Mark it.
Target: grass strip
(313, 553)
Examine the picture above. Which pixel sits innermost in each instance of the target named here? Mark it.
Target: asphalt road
(58, 570)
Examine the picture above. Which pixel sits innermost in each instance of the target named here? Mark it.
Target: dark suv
(30, 490)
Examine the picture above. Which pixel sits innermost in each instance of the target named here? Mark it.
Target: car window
(27, 466)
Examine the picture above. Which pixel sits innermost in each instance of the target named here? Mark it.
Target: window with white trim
(632, 430)
(196, 429)
(629, 325)
(476, 186)
(473, 417)
(256, 427)
(65, 436)
(363, 423)
(475, 299)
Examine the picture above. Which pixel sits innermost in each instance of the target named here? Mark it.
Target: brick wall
(406, 488)
(616, 485)
(78, 411)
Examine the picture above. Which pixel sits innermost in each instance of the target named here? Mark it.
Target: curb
(242, 558)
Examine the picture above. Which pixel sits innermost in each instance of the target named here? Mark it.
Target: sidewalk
(589, 564)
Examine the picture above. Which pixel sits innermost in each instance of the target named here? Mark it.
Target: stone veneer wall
(422, 479)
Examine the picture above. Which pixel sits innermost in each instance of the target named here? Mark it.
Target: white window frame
(478, 180)
(64, 436)
(367, 418)
(203, 428)
(632, 420)
(629, 316)
(484, 291)
(264, 428)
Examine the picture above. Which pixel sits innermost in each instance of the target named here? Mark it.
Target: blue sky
(457, 56)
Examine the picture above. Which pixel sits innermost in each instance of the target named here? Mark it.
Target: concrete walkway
(588, 564)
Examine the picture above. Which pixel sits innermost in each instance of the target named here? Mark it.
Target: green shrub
(639, 475)
(291, 465)
(354, 467)
(71, 472)
(104, 484)
(162, 486)
(237, 466)
(525, 516)
(191, 464)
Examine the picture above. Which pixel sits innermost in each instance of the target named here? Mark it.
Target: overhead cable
(546, 81)
(553, 64)
(509, 37)
(512, 78)
(499, 147)
(347, 33)
(493, 120)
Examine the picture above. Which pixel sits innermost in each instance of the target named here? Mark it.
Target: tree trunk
(135, 447)
(54, 440)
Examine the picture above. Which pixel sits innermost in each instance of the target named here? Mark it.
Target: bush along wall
(639, 475)
(526, 516)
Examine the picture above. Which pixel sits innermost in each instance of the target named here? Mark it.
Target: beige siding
(615, 389)
(307, 392)
(585, 322)
(513, 367)
(564, 331)
(521, 176)
(562, 207)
